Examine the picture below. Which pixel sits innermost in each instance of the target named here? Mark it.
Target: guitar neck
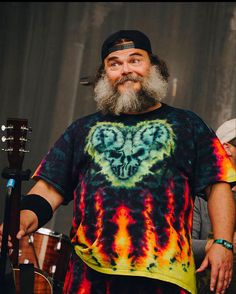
(15, 221)
(15, 138)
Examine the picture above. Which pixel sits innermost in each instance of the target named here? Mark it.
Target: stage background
(46, 48)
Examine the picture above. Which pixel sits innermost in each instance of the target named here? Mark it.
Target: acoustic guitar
(16, 133)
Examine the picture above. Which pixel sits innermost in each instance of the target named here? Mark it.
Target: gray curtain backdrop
(46, 48)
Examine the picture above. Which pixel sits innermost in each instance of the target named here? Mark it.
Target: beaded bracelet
(224, 243)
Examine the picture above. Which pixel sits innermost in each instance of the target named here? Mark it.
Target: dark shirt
(132, 179)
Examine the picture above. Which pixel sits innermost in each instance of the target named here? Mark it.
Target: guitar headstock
(15, 139)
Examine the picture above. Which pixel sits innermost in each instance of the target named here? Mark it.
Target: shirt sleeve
(212, 162)
(56, 167)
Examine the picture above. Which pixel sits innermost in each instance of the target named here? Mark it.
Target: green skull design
(126, 154)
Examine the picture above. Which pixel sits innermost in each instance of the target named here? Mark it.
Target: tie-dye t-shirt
(132, 179)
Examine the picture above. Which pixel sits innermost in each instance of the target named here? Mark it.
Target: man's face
(125, 67)
(129, 83)
(232, 150)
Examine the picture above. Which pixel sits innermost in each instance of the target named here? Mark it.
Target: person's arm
(221, 209)
(28, 219)
(198, 244)
(201, 230)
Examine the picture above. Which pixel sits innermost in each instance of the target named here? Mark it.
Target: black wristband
(40, 206)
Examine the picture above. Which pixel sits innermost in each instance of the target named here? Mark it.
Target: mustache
(126, 78)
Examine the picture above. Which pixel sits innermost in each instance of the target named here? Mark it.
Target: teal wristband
(224, 243)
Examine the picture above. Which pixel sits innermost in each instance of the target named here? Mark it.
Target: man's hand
(28, 224)
(220, 260)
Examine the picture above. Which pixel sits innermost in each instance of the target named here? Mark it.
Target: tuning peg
(22, 139)
(4, 139)
(24, 128)
(3, 128)
(23, 150)
(8, 150)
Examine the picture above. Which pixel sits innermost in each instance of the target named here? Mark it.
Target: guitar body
(42, 284)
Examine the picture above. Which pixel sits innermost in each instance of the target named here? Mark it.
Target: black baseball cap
(139, 40)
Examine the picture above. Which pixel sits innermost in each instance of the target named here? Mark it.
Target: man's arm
(221, 209)
(28, 219)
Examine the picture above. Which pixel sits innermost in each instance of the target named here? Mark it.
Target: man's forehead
(125, 53)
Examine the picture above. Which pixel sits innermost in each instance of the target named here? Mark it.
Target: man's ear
(227, 148)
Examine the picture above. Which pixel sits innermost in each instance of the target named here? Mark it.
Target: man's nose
(126, 68)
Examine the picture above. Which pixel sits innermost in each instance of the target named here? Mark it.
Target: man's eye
(113, 64)
(135, 61)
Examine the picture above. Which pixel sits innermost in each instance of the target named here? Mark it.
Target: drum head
(49, 232)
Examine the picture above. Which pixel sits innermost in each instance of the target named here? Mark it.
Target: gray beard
(110, 100)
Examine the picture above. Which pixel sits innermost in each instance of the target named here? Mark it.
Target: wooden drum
(49, 251)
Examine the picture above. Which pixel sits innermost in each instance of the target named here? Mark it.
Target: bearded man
(132, 169)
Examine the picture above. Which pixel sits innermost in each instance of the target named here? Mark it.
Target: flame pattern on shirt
(133, 191)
